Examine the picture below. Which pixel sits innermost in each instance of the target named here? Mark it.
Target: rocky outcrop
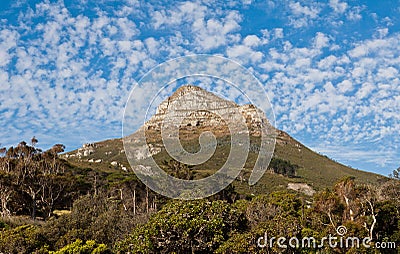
(190, 112)
(117, 164)
(191, 106)
(301, 187)
(84, 151)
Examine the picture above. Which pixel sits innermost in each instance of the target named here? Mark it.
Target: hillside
(314, 170)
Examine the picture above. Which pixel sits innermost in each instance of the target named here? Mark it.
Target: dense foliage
(186, 227)
(48, 206)
(35, 182)
(283, 167)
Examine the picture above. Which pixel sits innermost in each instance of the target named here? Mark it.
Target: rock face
(84, 151)
(191, 106)
(301, 187)
(190, 112)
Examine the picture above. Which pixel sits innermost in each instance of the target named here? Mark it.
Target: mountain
(293, 166)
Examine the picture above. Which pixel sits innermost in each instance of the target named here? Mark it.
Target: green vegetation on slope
(76, 206)
(303, 165)
(318, 170)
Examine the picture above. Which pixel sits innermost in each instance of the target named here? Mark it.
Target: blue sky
(330, 68)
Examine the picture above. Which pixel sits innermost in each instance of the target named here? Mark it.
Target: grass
(314, 169)
(319, 170)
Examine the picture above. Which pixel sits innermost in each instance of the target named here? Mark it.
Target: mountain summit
(191, 111)
(193, 107)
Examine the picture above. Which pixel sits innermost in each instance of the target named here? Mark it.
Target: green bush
(22, 239)
(185, 227)
(89, 247)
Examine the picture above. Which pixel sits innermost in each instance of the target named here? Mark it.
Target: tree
(178, 169)
(3, 150)
(52, 188)
(390, 190)
(283, 167)
(388, 221)
(184, 227)
(274, 215)
(101, 218)
(51, 162)
(368, 202)
(6, 191)
(345, 189)
(33, 176)
(326, 202)
(395, 174)
(34, 141)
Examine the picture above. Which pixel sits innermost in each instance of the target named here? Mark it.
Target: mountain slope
(313, 169)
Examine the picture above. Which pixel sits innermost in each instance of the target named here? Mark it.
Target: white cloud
(345, 86)
(321, 40)
(354, 14)
(355, 90)
(278, 33)
(387, 73)
(353, 155)
(302, 15)
(186, 12)
(8, 40)
(244, 54)
(213, 33)
(300, 10)
(327, 62)
(208, 30)
(251, 41)
(152, 45)
(337, 6)
(382, 32)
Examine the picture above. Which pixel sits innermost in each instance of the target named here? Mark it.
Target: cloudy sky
(330, 68)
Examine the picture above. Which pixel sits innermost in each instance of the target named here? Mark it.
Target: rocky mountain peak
(192, 97)
(191, 106)
(185, 90)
